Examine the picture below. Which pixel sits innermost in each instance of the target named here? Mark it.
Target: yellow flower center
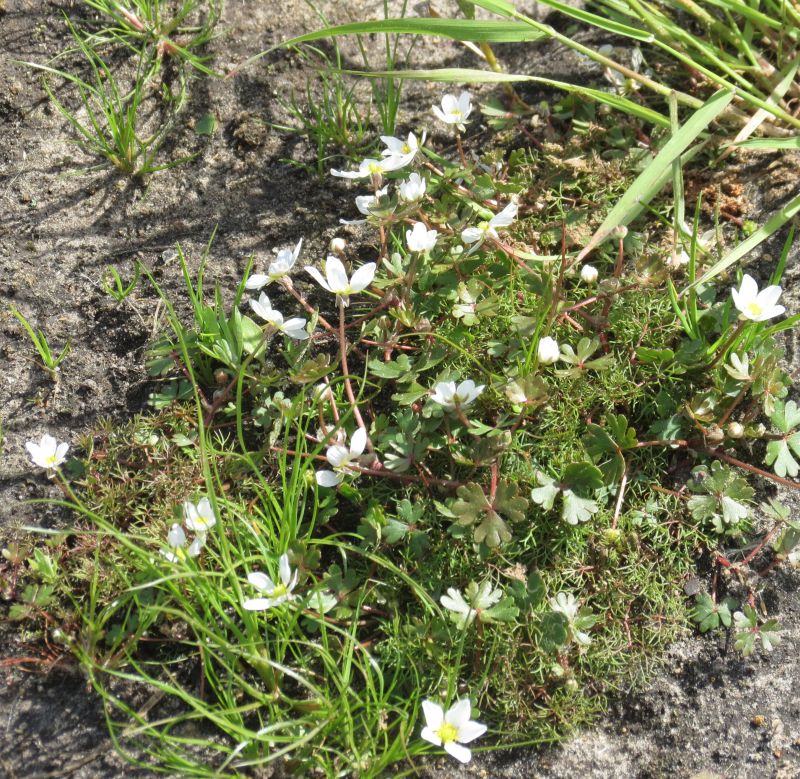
(375, 167)
(279, 591)
(51, 459)
(754, 309)
(406, 148)
(447, 732)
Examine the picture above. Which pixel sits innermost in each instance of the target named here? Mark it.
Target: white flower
(340, 457)
(454, 110)
(565, 603)
(277, 269)
(176, 539)
(451, 729)
(275, 593)
(48, 453)
(420, 239)
(454, 601)
(400, 152)
(365, 204)
(199, 517)
(294, 327)
(480, 597)
(412, 189)
(369, 168)
(447, 394)
(489, 229)
(548, 351)
(336, 280)
(589, 274)
(754, 305)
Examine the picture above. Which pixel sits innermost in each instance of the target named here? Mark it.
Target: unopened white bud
(589, 274)
(337, 245)
(549, 351)
(735, 429)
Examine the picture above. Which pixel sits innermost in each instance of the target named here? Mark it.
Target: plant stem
(728, 344)
(348, 387)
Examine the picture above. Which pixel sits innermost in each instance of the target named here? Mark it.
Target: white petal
(440, 115)
(358, 442)
(430, 735)
(336, 274)
(362, 278)
(769, 296)
(505, 217)
(36, 455)
(256, 281)
(328, 478)
(471, 234)
(347, 174)
(462, 754)
(257, 604)
(459, 712)
(449, 104)
(176, 537)
(454, 601)
(48, 445)
(469, 731)
(317, 276)
(284, 569)
(196, 546)
(261, 581)
(337, 455)
(434, 715)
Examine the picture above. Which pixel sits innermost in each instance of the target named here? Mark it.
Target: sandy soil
(57, 234)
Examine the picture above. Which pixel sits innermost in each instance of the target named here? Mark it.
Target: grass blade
(650, 180)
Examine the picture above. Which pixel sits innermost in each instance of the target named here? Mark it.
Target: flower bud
(589, 274)
(757, 431)
(337, 245)
(619, 232)
(548, 351)
(735, 429)
(715, 435)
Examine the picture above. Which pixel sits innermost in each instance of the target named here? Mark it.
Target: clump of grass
(122, 117)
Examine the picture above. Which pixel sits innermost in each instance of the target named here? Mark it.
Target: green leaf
(553, 631)
(580, 480)
(206, 125)
(786, 416)
(780, 457)
(251, 335)
(770, 635)
(576, 509)
(485, 30)
(582, 477)
(545, 494)
(710, 615)
(505, 611)
(472, 508)
(651, 356)
(311, 371)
